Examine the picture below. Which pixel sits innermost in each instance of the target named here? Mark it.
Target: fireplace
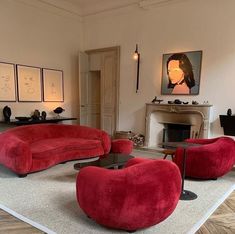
(191, 121)
(176, 132)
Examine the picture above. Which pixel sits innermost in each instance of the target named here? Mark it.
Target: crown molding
(148, 4)
(66, 8)
(54, 7)
(63, 5)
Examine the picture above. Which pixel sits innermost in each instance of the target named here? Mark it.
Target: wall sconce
(136, 57)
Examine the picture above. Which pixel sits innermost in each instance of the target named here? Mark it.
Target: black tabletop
(175, 144)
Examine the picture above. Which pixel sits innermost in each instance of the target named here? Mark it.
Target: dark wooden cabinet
(228, 124)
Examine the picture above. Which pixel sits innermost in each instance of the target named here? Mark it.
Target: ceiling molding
(79, 9)
(148, 4)
(48, 6)
(64, 5)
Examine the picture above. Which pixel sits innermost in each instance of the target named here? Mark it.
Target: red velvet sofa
(213, 158)
(36, 147)
(142, 194)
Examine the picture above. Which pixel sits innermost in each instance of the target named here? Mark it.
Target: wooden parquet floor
(11, 225)
(222, 221)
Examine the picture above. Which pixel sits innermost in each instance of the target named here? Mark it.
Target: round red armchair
(212, 159)
(142, 194)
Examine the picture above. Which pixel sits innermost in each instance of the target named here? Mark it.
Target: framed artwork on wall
(181, 73)
(53, 86)
(7, 82)
(29, 83)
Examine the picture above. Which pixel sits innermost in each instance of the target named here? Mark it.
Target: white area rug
(48, 198)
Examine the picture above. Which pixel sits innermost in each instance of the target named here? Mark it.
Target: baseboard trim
(211, 211)
(26, 220)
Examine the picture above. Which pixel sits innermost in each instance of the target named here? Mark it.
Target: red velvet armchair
(142, 194)
(214, 158)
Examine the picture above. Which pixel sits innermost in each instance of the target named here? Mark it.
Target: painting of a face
(181, 73)
(176, 74)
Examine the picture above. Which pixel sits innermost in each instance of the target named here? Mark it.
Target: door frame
(117, 95)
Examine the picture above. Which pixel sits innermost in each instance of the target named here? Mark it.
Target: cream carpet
(48, 198)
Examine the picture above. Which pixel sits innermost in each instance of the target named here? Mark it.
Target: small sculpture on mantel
(155, 100)
(177, 101)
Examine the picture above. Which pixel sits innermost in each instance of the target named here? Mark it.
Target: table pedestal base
(187, 195)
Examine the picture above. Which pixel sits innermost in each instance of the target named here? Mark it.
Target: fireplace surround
(159, 115)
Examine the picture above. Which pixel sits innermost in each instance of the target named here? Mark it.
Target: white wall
(37, 36)
(188, 25)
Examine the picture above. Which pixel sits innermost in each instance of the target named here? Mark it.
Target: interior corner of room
(111, 65)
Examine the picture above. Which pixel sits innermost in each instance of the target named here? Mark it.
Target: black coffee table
(110, 161)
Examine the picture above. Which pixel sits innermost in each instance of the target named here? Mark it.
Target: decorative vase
(7, 113)
(229, 112)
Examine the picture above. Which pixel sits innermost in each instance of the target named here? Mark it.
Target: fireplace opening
(176, 132)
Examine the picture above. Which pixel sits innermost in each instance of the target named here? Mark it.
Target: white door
(108, 90)
(98, 74)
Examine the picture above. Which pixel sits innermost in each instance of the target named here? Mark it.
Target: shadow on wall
(217, 131)
(139, 121)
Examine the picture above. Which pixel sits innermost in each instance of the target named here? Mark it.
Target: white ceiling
(90, 7)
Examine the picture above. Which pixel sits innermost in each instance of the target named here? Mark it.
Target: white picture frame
(53, 86)
(7, 82)
(29, 83)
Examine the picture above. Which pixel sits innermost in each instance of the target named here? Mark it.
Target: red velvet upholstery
(142, 194)
(32, 148)
(122, 145)
(214, 158)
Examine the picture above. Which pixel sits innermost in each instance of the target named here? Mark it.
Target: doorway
(99, 88)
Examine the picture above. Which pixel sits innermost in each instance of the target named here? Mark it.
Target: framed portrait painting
(7, 82)
(29, 83)
(181, 73)
(53, 90)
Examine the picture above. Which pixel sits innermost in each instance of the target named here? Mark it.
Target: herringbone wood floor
(222, 221)
(11, 225)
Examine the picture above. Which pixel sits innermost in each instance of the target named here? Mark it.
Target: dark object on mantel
(39, 121)
(177, 101)
(6, 113)
(229, 112)
(228, 123)
(185, 103)
(194, 102)
(156, 100)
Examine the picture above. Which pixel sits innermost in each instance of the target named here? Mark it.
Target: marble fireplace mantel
(157, 115)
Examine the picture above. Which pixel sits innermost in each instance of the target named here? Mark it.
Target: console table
(32, 121)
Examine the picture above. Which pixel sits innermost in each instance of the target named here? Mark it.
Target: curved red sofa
(212, 159)
(36, 147)
(142, 194)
